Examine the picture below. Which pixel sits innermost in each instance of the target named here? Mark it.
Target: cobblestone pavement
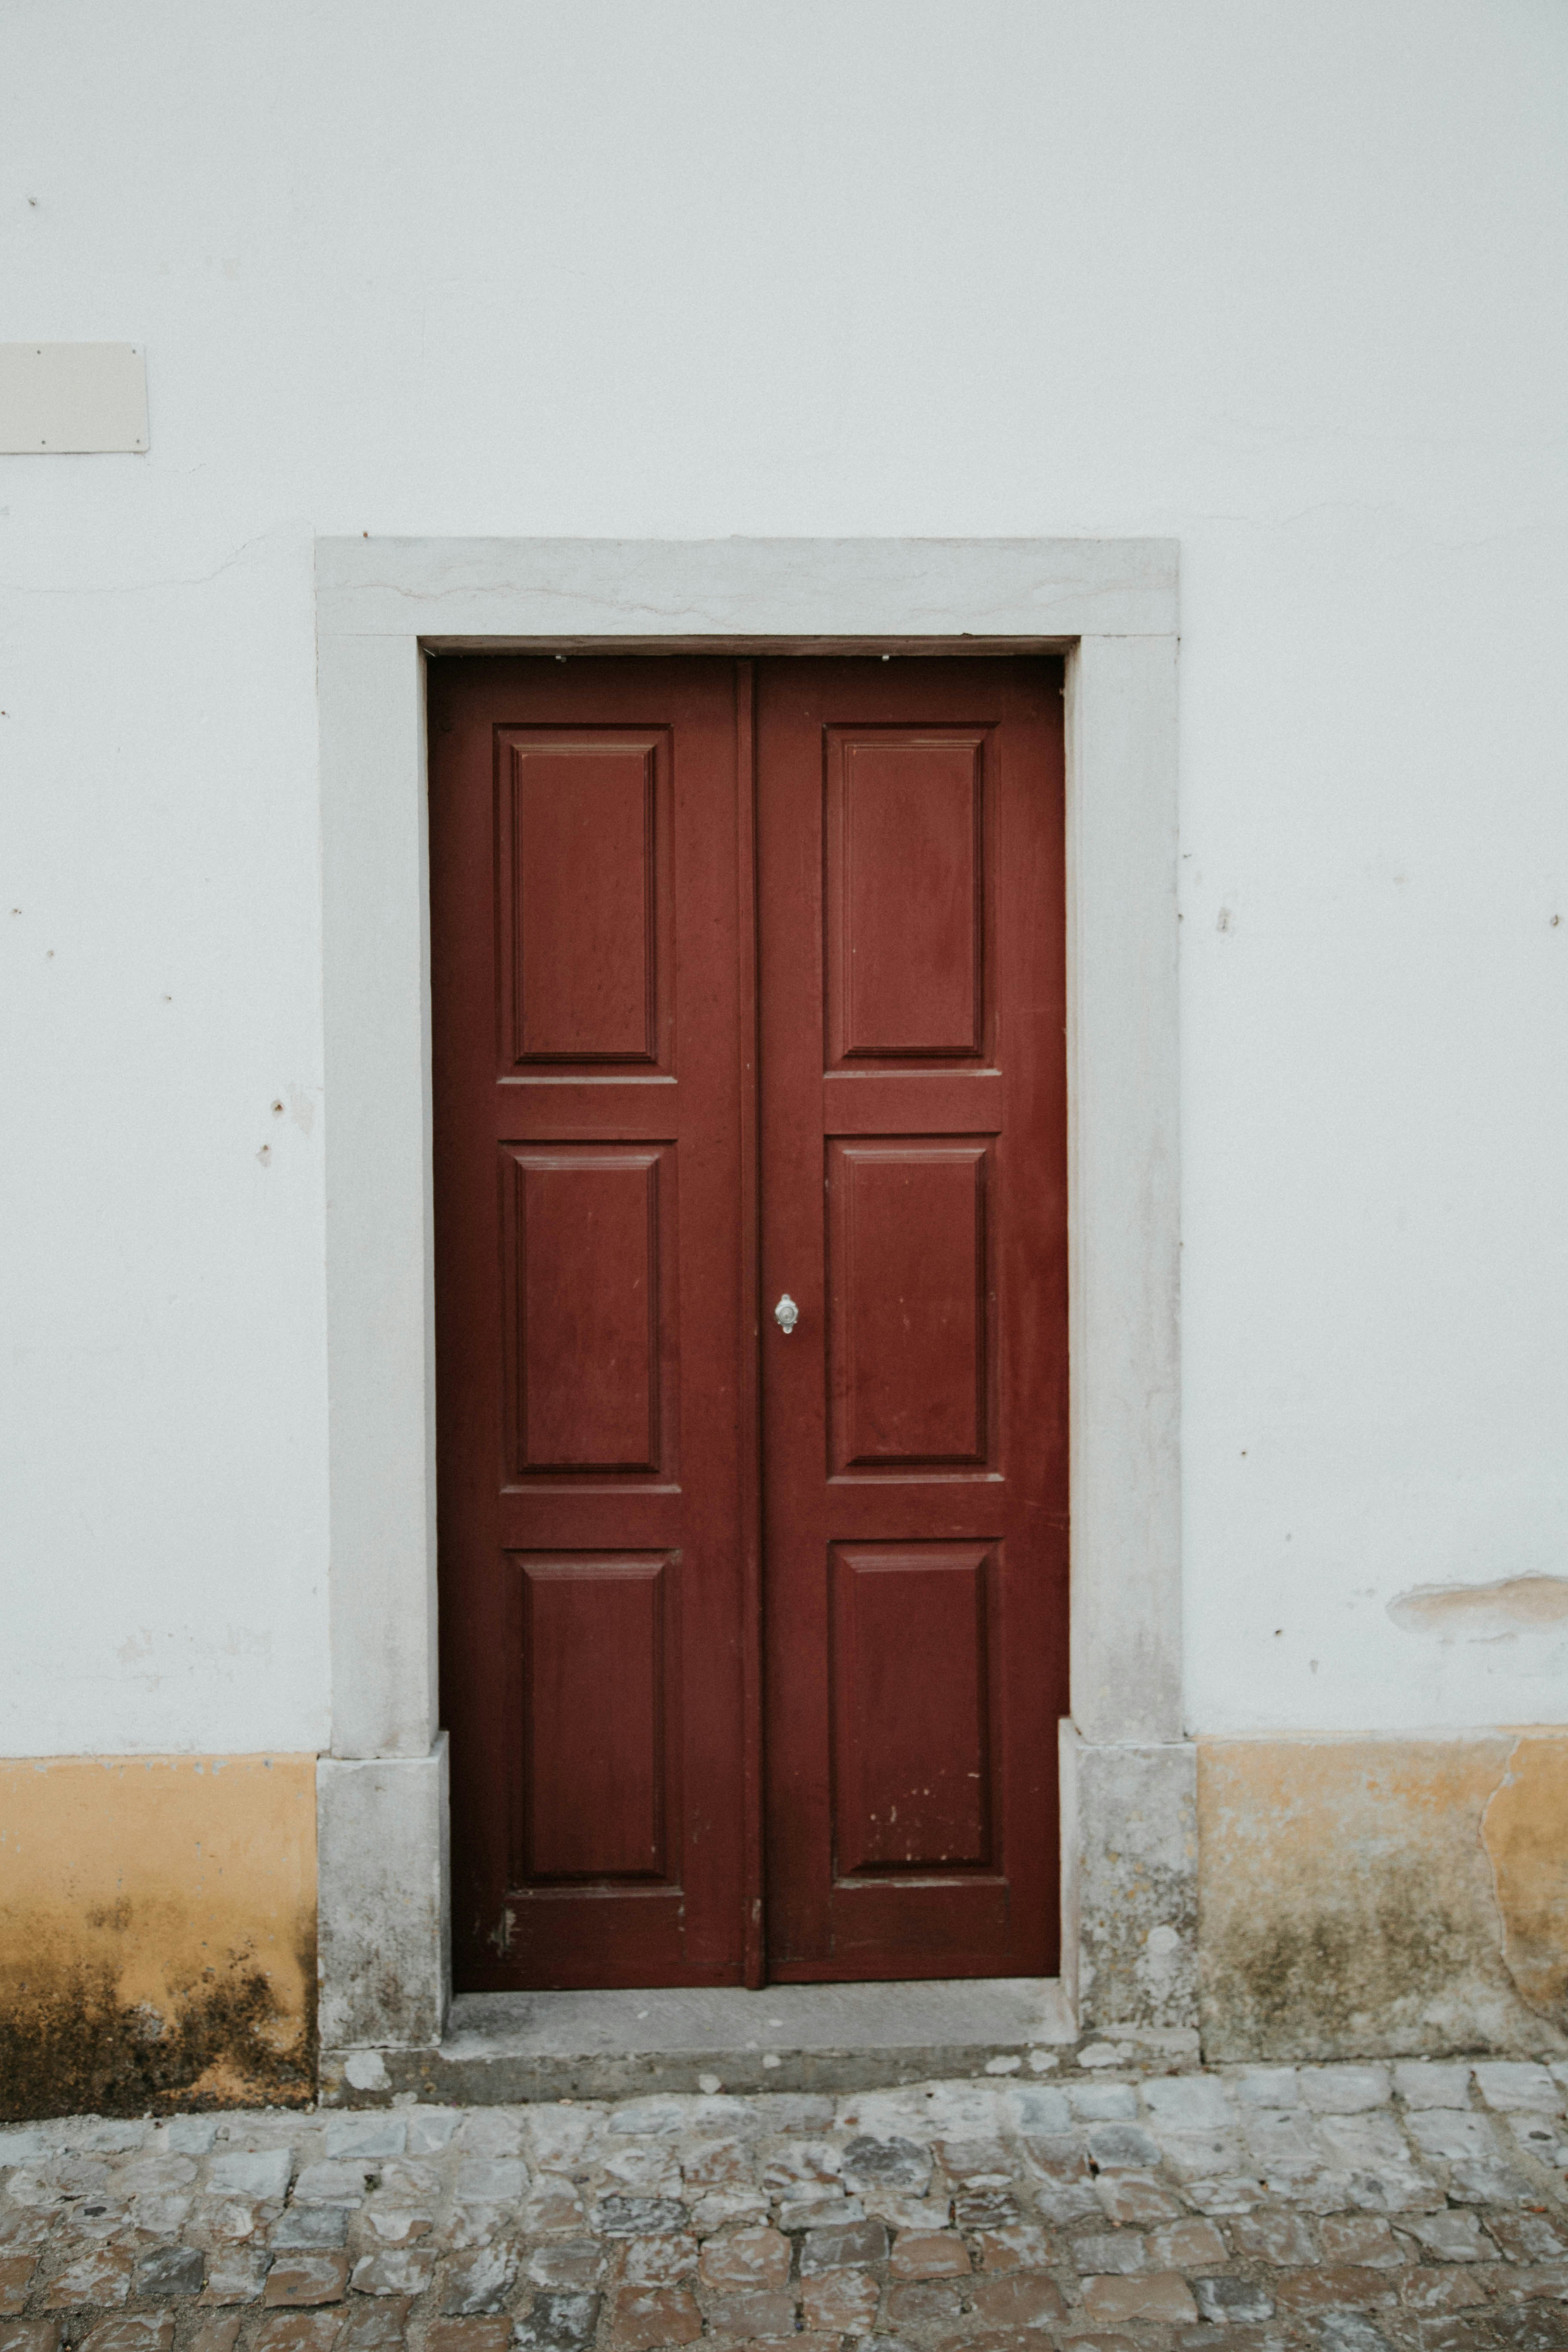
(1337, 2209)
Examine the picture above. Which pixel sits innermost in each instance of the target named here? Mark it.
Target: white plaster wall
(1281, 280)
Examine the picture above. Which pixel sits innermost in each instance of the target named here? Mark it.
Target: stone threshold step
(502, 2049)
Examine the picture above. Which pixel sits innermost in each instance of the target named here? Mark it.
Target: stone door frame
(1110, 608)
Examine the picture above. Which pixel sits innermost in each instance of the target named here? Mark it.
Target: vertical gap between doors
(751, 1334)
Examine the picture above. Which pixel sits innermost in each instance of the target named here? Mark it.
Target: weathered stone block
(638, 2217)
(1020, 2247)
(221, 2333)
(1359, 2239)
(1229, 2299)
(842, 2303)
(1421, 2084)
(1189, 2246)
(169, 2270)
(1421, 2289)
(220, 2221)
(1164, 2296)
(986, 2209)
(261, 2174)
(929, 2255)
(1451, 2132)
(553, 2205)
(97, 2274)
(660, 2262)
(479, 2281)
(1343, 2090)
(646, 2316)
(300, 2279)
(1332, 2288)
(234, 2275)
(16, 2278)
(1267, 2086)
(1511, 2087)
(857, 2242)
(1128, 2197)
(1019, 2300)
(313, 2229)
(1123, 2147)
(332, 2184)
(558, 2322)
(815, 2212)
(378, 2327)
(920, 2304)
(31, 2336)
(1121, 2253)
(720, 2164)
(384, 1955)
(1103, 2102)
(1526, 2237)
(575, 2265)
(1190, 2102)
(760, 2312)
(298, 2331)
(1131, 1882)
(887, 2164)
(1352, 2331)
(398, 2270)
(747, 2259)
(469, 2336)
(1450, 2237)
(148, 2331)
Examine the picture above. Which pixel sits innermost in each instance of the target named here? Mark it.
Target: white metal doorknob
(786, 1315)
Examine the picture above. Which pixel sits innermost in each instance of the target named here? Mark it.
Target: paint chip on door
(71, 399)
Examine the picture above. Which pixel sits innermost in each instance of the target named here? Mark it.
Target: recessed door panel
(599, 1711)
(905, 893)
(589, 1235)
(907, 1278)
(912, 1708)
(581, 847)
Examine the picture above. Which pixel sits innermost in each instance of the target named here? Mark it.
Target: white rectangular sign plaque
(63, 399)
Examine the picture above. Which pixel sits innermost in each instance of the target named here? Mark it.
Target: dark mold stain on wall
(70, 2043)
(157, 1933)
(1362, 1897)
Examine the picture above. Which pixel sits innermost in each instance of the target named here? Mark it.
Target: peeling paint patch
(157, 1933)
(1362, 1897)
(1482, 1613)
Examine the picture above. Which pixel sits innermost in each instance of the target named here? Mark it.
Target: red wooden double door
(748, 997)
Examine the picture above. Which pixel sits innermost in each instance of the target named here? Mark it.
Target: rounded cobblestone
(1417, 2208)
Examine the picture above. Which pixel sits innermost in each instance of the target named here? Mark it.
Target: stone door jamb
(1109, 606)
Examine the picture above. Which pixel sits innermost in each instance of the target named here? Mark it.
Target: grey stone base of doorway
(506, 2048)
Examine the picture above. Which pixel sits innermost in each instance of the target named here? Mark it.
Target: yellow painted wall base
(157, 1932)
(1358, 1896)
(1362, 1897)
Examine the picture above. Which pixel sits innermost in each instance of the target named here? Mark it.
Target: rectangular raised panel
(584, 1226)
(905, 894)
(908, 1282)
(580, 884)
(597, 1640)
(911, 1745)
